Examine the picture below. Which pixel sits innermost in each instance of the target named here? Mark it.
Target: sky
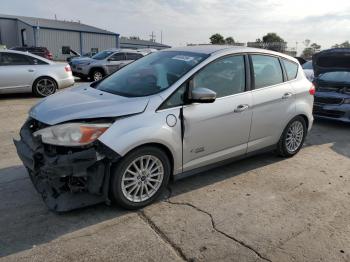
(186, 21)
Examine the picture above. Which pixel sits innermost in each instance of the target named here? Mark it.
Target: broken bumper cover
(67, 178)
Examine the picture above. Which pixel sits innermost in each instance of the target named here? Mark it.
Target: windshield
(307, 65)
(342, 77)
(151, 74)
(102, 55)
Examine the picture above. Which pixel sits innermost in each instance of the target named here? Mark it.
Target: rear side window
(36, 61)
(117, 57)
(133, 56)
(225, 76)
(11, 59)
(267, 71)
(291, 69)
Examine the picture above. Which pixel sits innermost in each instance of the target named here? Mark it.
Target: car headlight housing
(71, 134)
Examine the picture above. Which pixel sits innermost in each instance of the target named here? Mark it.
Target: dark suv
(40, 51)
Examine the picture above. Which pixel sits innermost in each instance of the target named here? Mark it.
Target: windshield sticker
(183, 58)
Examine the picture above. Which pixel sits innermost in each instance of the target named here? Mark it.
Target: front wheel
(140, 177)
(292, 138)
(97, 74)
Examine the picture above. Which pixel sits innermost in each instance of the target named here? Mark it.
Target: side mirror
(203, 95)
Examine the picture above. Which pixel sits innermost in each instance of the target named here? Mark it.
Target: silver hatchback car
(168, 115)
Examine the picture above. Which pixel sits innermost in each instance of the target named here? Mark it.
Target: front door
(115, 62)
(219, 130)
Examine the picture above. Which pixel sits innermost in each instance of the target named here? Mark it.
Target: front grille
(328, 100)
(328, 113)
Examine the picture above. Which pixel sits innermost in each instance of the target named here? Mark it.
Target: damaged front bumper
(67, 178)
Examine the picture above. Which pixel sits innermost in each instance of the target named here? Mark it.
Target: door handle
(241, 108)
(31, 70)
(287, 95)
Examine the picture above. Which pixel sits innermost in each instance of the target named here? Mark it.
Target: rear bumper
(332, 112)
(66, 181)
(66, 82)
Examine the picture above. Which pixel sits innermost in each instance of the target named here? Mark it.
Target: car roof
(211, 49)
(26, 53)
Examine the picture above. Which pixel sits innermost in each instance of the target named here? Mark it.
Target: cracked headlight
(71, 134)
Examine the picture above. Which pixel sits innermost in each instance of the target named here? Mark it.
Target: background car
(39, 51)
(75, 55)
(308, 70)
(25, 72)
(332, 82)
(104, 63)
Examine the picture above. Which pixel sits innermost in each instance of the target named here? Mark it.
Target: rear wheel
(140, 177)
(292, 138)
(44, 86)
(97, 74)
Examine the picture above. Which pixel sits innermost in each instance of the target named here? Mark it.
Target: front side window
(151, 74)
(225, 76)
(13, 59)
(291, 69)
(267, 71)
(102, 55)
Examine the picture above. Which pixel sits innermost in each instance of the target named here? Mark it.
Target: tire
(97, 74)
(44, 86)
(124, 184)
(284, 147)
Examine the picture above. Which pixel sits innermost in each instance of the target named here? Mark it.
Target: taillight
(312, 90)
(67, 68)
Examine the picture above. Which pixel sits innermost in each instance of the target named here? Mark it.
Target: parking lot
(264, 208)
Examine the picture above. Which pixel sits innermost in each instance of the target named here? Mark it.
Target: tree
(346, 44)
(272, 38)
(308, 52)
(217, 39)
(229, 40)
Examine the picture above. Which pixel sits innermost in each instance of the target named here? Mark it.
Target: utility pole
(153, 39)
(161, 36)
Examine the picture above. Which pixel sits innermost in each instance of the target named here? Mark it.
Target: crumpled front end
(66, 177)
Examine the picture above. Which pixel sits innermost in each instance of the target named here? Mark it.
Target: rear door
(219, 130)
(16, 73)
(273, 101)
(115, 62)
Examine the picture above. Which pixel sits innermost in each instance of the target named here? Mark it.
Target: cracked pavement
(264, 208)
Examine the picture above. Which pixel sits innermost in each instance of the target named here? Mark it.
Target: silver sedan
(22, 72)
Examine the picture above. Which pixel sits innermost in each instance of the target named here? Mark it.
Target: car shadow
(17, 96)
(331, 132)
(26, 221)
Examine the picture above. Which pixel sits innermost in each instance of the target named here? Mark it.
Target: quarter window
(291, 69)
(225, 76)
(267, 71)
(176, 99)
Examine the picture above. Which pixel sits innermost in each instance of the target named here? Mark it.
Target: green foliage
(217, 39)
(229, 40)
(346, 44)
(272, 38)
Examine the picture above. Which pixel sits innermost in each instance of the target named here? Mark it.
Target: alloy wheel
(97, 75)
(142, 178)
(45, 87)
(294, 136)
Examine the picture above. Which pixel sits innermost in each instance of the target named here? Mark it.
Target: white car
(22, 72)
(308, 70)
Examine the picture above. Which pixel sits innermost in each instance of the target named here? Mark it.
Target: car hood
(85, 102)
(82, 60)
(337, 59)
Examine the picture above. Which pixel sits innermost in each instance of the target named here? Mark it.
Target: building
(140, 44)
(58, 36)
